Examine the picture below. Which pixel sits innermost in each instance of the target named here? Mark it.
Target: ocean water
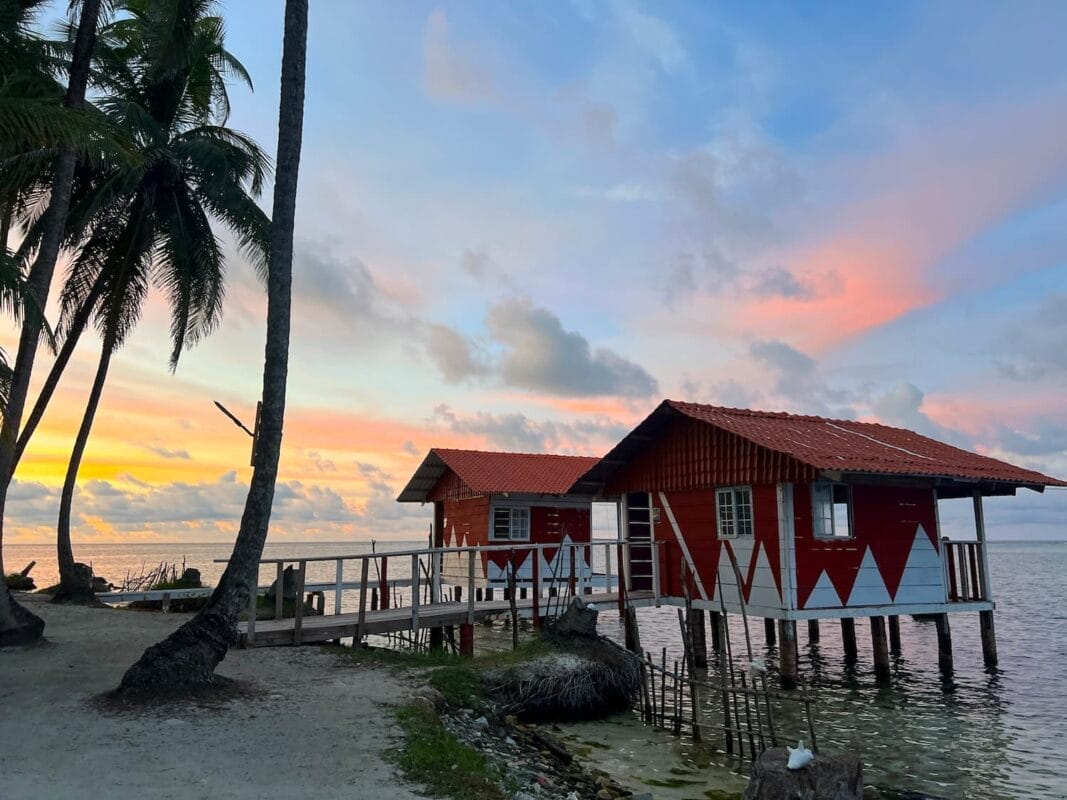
(981, 734)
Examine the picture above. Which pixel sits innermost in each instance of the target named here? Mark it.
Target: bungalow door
(639, 534)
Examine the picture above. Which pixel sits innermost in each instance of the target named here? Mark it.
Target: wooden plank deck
(275, 633)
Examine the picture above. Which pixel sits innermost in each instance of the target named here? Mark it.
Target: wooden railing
(428, 586)
(965, 570)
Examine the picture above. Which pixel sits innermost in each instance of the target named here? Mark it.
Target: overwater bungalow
(498, 499)
(802, 518)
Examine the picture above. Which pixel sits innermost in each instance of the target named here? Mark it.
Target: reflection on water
(989, 735)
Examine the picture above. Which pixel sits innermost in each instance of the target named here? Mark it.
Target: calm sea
(985, 735)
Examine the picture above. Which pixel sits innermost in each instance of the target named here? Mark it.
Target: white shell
(800, 756)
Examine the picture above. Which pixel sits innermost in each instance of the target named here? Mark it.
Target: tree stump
(838, 777)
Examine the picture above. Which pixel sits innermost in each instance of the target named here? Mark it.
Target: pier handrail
(964, 563)
(426, 570)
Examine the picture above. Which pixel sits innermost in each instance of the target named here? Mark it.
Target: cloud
(162, 451)
(779, 282)
(902, 405)
(540, 354)
(516, 431)
(455, 356)
(797, 383)
(654, 36)
(450, 72)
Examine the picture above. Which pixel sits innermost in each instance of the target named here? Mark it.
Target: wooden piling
(813, 630)
(944, 642)
(768, 629)
(881, 648)
(848, 640)
(698, 633)
(894, 635)
(466, 640)
(633, 634)
(787, 632)
(989, 638)
(716, 631)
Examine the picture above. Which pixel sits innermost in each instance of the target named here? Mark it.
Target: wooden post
(466, 640)
(536, 587)
(339, 580)
(848, 639)
(472, 556)
(813, 630)
(944, 642)
(607, 569)
(787, 660)
(768, 629)
(437, 633)
(716, 631)
(279, 592)
(384, 591)
(633, 634)
(881, 648)
(298, 605)
(623, 572)
(894, 635)
(989, 638)
(362, 602)
(250, 635)
(414, 594)
(698, 634)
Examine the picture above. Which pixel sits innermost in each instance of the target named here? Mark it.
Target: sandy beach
(318, 726)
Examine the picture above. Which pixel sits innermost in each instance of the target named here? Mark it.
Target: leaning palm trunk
(186, 660)
(75, 580)
(17, 625)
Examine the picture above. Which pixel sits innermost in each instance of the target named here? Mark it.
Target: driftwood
(21, 581)
(837, 777)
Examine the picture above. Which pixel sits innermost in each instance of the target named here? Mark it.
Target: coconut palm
(18, 625)
(187, 659)
(149, 223)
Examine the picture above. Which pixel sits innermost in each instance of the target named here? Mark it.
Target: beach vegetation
(434, 757)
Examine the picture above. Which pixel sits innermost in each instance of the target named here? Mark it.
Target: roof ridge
(508, 453)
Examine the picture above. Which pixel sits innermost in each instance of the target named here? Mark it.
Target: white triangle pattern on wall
(824, 595)
(764, 591)
(923, 580)
(869, 588)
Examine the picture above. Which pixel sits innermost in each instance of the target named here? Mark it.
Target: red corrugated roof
(850, 446)
(488, 472)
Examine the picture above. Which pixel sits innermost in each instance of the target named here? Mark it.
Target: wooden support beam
(848, 639)
(989, 638)
(813, 630)
(787, 654)
(633, 634)
(880, 645)
(768, 629)
(716, 631)
(298, 605)
(698, 635)
(466, 640)
(279, 592)
(894, 635)
(944, 642)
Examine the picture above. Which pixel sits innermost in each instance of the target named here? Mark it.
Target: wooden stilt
(813, 630)
(633, 635)
(989, 638)
(716, 631)
(466, 640)
(881, 648)
(768, 627)
(458, 594)
(699, 636)
(848, 639)
(787, 632)
(944, 642)
(894, 635)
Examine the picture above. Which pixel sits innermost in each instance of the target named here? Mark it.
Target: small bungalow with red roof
(487, 498)
(801, 518)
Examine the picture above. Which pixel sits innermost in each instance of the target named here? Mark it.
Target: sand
(318, 727)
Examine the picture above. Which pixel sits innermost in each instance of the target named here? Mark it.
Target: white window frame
(519, 532)
(726, 498)
(819, 518)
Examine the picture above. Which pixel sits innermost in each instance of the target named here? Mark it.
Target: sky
(520, 226)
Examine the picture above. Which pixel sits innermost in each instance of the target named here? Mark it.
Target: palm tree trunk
(75, 580)
(17, 625)
(77, 327)
(186, 660)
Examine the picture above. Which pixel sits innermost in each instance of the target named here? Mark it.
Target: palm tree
(18, 625)
(187, 658)
(150, 223)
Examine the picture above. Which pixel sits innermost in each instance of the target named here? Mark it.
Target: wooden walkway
(323, 628)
